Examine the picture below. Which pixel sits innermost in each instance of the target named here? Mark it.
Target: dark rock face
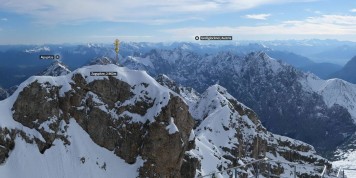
(97, 107)
(189, 166)
(165, 150)
(37, 104)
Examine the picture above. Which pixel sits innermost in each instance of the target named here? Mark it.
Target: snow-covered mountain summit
(57, 68)
(93, 126)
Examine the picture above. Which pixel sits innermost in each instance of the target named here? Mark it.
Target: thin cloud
(4, 19)
(53, 12)
(353, 10)
(320, 25)
(258, 16)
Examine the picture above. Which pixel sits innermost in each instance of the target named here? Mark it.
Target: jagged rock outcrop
(230, 134)
(130, 115)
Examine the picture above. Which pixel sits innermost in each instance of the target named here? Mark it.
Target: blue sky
(83, 21)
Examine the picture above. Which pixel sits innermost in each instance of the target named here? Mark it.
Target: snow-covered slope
(81, 158)
(230, 134)
(334, 91)
(348, 162)
(93, 126)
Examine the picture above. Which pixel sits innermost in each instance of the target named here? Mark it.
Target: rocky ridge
(229, 134)
(131, 126)
(284, 97)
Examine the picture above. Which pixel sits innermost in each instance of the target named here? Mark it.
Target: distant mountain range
(348, 72)
(288, 101)
(18, 62)
(283, 96)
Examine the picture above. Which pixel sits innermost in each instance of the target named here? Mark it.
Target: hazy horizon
(77, 21)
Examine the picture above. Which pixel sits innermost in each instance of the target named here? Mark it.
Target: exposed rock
(100, 107)
(164, 150)
(138, 120)
(234, 136)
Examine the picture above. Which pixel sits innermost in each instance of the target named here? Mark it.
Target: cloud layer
(47, 11)
(318, 25)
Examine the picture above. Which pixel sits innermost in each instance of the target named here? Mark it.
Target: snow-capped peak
(333, 91)
(56, 69)
(262, 60)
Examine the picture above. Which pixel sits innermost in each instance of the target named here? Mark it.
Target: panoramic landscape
(178, 89)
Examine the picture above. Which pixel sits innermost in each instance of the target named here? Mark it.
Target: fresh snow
(348, 163)
(333, 91)
(219, 125)
(172, 128)
(82, 158)
(68, 160)
(56, 69)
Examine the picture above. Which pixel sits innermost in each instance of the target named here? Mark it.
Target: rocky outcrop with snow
(56, 69)
(230, 134)
(129, 125)
(280, 94)
(80, 125)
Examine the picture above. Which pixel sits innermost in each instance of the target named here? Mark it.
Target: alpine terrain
(130, 125)
(289, 102)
